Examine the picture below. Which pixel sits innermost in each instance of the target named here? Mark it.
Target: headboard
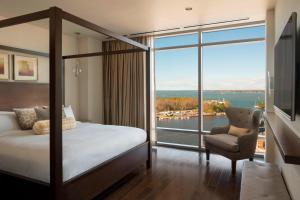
(23, 95)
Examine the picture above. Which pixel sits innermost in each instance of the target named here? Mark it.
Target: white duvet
(84, 147)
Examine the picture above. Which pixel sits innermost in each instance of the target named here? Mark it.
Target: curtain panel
(124, 85)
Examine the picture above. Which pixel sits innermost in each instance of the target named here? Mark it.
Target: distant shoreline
(184, 114)
(183, 104)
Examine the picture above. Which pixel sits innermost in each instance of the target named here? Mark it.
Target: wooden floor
(179, 175)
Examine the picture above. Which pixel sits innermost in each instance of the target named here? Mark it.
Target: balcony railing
(192, 145)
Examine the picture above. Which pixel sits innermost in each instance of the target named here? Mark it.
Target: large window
(233, 75)
(177, 90)
(230, 71)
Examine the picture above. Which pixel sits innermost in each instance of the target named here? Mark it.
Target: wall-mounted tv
(285, 69)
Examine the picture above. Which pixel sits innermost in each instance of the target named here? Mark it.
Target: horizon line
(218, 90)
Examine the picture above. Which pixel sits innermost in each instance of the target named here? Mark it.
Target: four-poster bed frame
(96, 180)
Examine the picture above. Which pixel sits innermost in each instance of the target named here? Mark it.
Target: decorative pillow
(42, 113)
(26, 117)
(43, 127)
(68, 123)
(236, 131)
(68, 112)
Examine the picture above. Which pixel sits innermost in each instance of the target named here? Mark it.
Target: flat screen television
(285, 69)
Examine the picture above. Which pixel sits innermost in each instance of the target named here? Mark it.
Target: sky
(225, 67)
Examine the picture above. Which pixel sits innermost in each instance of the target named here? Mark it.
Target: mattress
(84, 147)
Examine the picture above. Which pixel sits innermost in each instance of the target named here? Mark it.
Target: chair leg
(207, 154)
(233, 167)
(251, 159)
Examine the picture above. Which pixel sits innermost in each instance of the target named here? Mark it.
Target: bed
(84, 147)
(113, 150)
(55, 177)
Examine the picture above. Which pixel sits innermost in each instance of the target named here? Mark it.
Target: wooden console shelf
(287, 140)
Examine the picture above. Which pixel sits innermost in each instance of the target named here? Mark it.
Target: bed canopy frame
(96, 180)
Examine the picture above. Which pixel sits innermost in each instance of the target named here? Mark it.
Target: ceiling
(134, 16)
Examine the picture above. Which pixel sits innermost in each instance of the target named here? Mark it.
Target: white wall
(270, 39)
(90, 81)
(283, 10)
(32, 37)
(69, 44)
(95, 83)
(82, 80)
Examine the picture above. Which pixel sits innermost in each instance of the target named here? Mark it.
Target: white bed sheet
(84, 147)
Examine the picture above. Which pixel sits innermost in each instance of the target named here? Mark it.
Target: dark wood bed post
(63, 64)
(148, 109)
(56, 71)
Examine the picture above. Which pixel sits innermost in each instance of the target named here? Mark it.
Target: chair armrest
(247, 143)
(219, 130)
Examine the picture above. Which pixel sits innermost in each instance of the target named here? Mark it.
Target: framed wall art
(4, 66)
(25, 68)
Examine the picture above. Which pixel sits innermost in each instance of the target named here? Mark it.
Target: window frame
(200, 45)
(230, 28)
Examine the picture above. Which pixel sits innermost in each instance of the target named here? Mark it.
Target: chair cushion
(223, 141)
(237, 131)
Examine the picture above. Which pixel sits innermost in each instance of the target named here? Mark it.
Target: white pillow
(8, 121)
(68, 112)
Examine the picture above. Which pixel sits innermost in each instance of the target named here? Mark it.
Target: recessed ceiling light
(188, 8)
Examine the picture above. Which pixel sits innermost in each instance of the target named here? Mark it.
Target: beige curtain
(124, 85)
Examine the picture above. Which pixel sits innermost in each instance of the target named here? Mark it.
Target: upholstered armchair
(235, 147)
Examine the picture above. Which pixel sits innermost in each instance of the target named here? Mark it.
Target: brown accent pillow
(26, 117)
(236, 131)
(42, 113)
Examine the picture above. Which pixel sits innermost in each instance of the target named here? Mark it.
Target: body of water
(246, 99)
